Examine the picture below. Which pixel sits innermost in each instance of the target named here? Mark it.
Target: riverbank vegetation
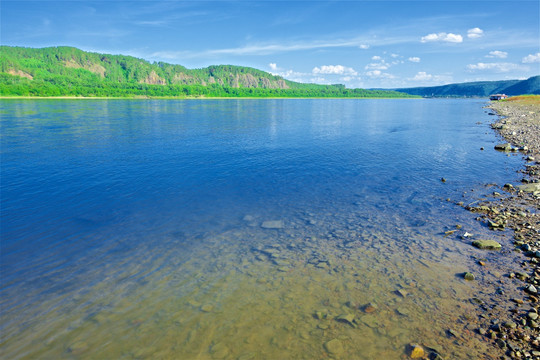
(67, 71)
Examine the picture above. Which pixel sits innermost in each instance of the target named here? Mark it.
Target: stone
(468, 276)
(531, 289)
(207, 308)
(78, 347)
(503, 147)
(370, 308)
(532, 315)
(529, 188)
(346, 318)
(334, 347)
(401, 292)
(272, 224)
(416, 351)
(487, 244)
(319, 315)
(219, 351)
(402, 311)
(509, 324)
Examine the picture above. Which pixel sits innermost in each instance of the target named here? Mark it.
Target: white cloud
(376, 58)
(532, 58)
(273, 66)
(394, 55)
(497, 54)
(496, 67)
(334, 69)
(379, 74)
(475, 33)
(422, 76)
(414, 59)
(364, 46)
(377, 66)
(442, 36)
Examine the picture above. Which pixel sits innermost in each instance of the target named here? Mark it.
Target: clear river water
(241, 229)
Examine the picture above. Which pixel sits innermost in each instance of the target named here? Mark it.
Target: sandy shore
(517, 207)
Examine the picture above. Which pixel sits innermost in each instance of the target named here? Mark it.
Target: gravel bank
(518, 208)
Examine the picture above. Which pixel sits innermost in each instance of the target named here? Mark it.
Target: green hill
(67, 71)
(479, 89)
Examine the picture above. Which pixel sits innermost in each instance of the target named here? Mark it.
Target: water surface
(132, 229)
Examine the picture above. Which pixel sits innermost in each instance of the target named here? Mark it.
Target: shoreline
(196, 98)
(517, 209)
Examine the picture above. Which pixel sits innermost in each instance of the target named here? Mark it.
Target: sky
(361, 44)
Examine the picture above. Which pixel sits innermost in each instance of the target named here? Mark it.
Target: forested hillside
(67, 71)
(479, 89)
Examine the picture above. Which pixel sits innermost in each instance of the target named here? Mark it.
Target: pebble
(346, 318)
(370, 308)
(403, 311)
(401, 293)
(468, 276)
(531, 289)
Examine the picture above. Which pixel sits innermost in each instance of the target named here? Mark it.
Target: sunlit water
(133, 229)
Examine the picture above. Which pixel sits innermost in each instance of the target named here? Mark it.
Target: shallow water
(132, 229)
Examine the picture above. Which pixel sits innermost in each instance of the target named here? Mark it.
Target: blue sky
(364, 44)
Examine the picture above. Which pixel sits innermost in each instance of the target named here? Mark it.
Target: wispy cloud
(496, 67)
(497, 54)
(414, 59)
(259, 49)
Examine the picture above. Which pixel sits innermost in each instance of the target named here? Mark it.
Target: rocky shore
(517, 208)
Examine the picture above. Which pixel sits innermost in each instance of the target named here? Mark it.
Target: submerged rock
(207, 308)
(272, 224)
(370, 308)
(468, 276)
(346, 318)
(487, 244)
(416, 351)
(334, 347)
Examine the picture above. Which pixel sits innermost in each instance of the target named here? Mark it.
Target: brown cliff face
(95, 68)
(20, 73)
(250, 81)
(153, 79)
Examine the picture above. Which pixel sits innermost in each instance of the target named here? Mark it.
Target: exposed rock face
(248, 81)
(153, 79)
(92, 67)
(20, 73)
(181, 78)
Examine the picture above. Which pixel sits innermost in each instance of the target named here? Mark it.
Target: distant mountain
(479, 89)
(67, 71)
